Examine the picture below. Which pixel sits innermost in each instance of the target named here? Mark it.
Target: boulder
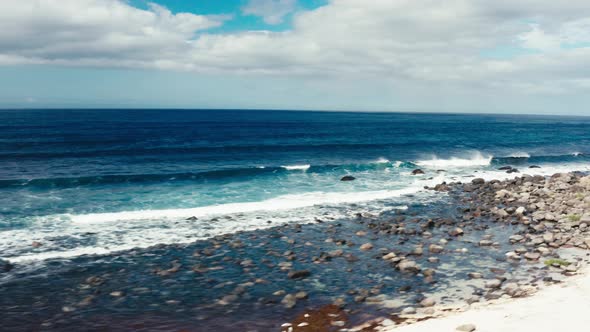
(417, 172)
(478, 181)
(301, 274)
(348, 178)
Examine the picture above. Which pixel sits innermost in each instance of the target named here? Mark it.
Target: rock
(289, 301)
(466, 328)
(366, 246)
(505, 168)
(503, 193)
(520, 211)
(534, 166)
(532, 256)
(301, 274)
(5, 266)
(485, 243)
(408, 266)
(36, 244)
(516, 238)
(548, 237)
(348, 178)
(116, 294)
(478, 181)
(389, 256)
(301, 295)
(475, 275)
(427, 302)
(493, 283)
(435, 248)
(417, 171)
(456, 232)
(408, 311)
(193, 218)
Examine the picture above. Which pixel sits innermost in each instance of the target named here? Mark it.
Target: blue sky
(384, 55)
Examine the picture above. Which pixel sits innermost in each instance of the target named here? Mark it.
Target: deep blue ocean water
(131, 178)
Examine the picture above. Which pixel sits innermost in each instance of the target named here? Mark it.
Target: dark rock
(348, 178)
(478, 181)
(417, 171)
(505, 168)
(534, 166)
(5, 266)
(514, 170)
(301, 274)
(193, 218)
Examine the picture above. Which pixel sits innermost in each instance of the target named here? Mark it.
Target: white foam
(475, 160)
(284, 202)
(381, 161)
(520, 155)
(113, 232)
(296, 167)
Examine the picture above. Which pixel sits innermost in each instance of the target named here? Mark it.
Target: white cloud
(418, 43)
(272, 11)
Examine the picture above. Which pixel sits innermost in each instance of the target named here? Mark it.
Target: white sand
(559, 308)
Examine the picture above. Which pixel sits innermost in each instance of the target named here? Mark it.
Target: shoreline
(552, 308)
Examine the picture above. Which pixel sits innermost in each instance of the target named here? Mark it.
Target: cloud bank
(529, 46)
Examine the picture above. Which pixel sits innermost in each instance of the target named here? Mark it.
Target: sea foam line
(284, 202)
(477, 159)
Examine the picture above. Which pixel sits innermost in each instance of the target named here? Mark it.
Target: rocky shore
(554, 213)
(478, 241)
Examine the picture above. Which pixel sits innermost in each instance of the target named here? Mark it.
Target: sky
(502, 56)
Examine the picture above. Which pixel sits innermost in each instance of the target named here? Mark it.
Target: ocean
(237, 220)
(102, 181)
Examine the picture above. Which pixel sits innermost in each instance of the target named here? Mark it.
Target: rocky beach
(478, 241)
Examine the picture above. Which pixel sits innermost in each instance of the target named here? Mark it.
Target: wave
(476, 159)
(296, 167)
(519, 155)
(285, 202)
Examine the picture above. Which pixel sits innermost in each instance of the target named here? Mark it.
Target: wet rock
(408, 266)
(389, 256)
(193, 218)
(36, 244)
(475, 275)
(366, 246)
(301, 274)
(348, 178)
(493, 283)
(417, 172)
(478, 181)
(485, 243)
(5, 266)
(289, 301)
(456, 232)
(301, 295)
(435, 248)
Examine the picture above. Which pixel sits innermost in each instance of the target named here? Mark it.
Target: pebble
(466, 328)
